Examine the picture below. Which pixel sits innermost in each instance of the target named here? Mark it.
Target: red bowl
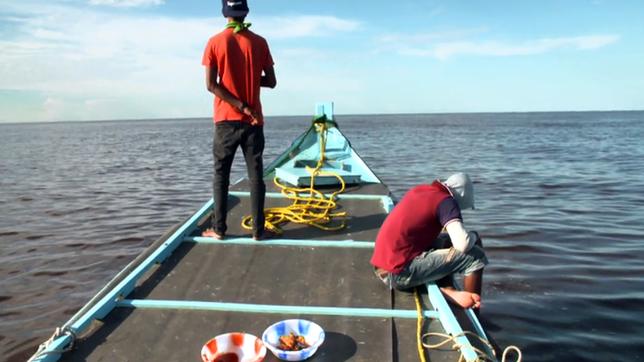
(234, 347)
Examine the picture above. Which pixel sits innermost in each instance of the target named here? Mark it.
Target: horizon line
(2, 122)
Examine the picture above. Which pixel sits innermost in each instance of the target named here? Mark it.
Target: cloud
(140, 63)
(126, 3)
(304, 26)
(392, 40)
(432, 45)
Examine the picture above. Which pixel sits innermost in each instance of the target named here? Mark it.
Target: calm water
(560, 205)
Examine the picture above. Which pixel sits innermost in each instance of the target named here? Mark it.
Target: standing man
(409, 252)
(238, 62)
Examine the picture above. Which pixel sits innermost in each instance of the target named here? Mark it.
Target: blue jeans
(436, 264)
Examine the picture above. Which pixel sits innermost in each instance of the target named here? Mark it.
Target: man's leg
(439, 265)
(253, 147)
(473, 282)
(472, 285)
(224, 145)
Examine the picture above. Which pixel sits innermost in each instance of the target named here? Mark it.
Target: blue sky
(131, 59)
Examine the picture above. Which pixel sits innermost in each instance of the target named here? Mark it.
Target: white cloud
(89, 63)
(126, 3)
(430, 45)
(393, 41)
(304, 26)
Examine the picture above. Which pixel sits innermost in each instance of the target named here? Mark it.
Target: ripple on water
(49, 273)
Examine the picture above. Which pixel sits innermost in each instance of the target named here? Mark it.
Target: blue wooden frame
(274, 308)
(278, 195)
(284, 242)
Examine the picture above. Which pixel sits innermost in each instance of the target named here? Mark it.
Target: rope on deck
(419, 326)
(310, 206)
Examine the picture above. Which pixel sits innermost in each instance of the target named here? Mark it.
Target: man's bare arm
(220, 91)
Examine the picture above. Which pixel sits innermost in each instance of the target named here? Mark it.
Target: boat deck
(265, 274)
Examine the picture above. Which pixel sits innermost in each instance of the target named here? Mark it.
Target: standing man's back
(240, 59)
(238, 62)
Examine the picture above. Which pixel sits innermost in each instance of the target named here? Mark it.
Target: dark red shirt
(413, 225)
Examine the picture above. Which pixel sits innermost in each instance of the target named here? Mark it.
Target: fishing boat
(184, 289)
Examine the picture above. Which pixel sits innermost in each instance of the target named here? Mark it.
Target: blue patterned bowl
(313, 335)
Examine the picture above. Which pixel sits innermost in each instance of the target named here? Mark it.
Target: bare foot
(463, 298)
(211, 233)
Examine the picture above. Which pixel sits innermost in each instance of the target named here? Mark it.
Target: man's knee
(478, 256)
(479, 241)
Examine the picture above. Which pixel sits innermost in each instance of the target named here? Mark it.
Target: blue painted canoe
(185, 289)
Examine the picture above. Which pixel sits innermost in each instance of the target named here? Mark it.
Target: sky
(141, 59)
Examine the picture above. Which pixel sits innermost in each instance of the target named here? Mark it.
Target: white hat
(462, 189)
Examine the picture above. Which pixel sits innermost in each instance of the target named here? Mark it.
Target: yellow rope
(309, 206)
(419, 327)
(481, 355)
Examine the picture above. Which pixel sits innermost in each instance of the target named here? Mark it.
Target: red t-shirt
(411, 227)
(240, 59)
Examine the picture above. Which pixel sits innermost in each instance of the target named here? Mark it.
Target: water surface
(559, 204)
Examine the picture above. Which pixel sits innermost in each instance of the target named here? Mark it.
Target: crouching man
(409, 251)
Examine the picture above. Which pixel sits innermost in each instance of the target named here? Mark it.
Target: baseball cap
(234, 8)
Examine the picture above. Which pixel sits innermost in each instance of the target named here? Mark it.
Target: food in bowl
(234, 347)
(311, 334)
(293, 342)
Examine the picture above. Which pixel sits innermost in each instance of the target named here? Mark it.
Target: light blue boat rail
(339, 196)
(284, 242)
(109, 298)
(449, 322)
(274, 309)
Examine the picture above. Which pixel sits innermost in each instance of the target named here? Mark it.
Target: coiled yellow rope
(309, 206)
(481, 355)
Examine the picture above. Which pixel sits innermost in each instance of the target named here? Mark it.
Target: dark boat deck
(365, 217)
(276, 275)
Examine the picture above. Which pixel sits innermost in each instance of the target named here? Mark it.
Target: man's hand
(254, 115)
